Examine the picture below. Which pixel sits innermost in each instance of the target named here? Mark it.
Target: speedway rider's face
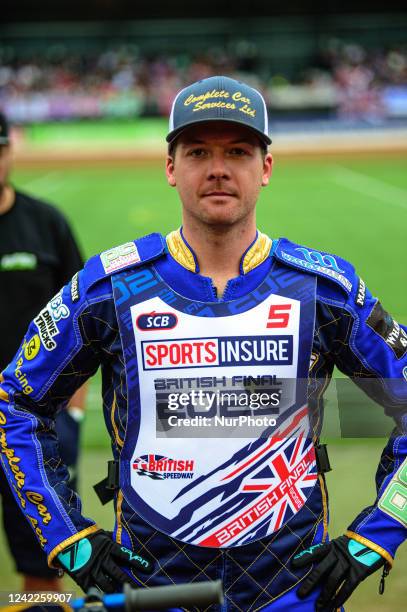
(218, 169)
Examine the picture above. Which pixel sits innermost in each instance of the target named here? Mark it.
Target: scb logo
(156, 321)
(324, 260)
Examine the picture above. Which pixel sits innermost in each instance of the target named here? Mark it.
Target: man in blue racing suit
(204, 338)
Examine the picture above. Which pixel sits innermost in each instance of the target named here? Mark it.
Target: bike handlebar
(200, 595)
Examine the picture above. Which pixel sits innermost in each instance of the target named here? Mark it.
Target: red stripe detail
(281, 467)
(273, 440)
(254, 487)
(311, 477)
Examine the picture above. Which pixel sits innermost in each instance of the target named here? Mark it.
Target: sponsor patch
(58, 309)
(75, 288)
(159, 467)
(156, 321)
(37, 499)
(120, 257)
(22, 378)
(361, 294)
(46, 321)
(221, 99)
(405, 372)
(32, 347)
(322, 259)
(394, 499)
(205, 352)
(328, 271)
(47, 329)
(9, 453)
(77, 555)
(387, 328)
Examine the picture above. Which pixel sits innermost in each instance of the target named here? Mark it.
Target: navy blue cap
(4, 130)
(219, 98)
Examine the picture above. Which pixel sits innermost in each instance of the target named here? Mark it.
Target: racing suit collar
(183, 253)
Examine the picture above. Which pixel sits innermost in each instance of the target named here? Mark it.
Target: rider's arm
(57, 355)
(372, 350)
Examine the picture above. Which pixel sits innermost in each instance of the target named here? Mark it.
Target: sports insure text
(207, 352)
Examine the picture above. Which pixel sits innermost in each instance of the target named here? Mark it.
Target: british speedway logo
(159, 467)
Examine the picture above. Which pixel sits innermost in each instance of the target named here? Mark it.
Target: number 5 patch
(394, 499)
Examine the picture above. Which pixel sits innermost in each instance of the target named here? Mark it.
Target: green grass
(107, 133)
(356, 208)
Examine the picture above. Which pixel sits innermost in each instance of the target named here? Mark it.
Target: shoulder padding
(129, 255)
(317, 262)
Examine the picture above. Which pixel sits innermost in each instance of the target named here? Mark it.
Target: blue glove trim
(77, 555)
(362, 553)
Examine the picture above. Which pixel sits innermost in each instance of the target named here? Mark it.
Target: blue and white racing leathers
(212, 429)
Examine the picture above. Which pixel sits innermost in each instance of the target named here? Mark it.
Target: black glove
(340, 564)
(95, 561)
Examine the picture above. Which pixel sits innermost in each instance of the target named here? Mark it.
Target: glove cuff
(378, 549)
(74, 538)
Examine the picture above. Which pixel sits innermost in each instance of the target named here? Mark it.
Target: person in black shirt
(38, 255)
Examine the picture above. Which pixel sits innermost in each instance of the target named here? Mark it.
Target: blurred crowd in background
(344, 80)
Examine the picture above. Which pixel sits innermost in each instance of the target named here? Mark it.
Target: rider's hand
(96, 560)
(339, 566)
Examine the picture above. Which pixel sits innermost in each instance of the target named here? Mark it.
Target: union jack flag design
(258, 490)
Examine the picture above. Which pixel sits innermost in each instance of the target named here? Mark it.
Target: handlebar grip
(200, 594)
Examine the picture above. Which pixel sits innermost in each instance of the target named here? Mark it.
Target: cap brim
(175, 133)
